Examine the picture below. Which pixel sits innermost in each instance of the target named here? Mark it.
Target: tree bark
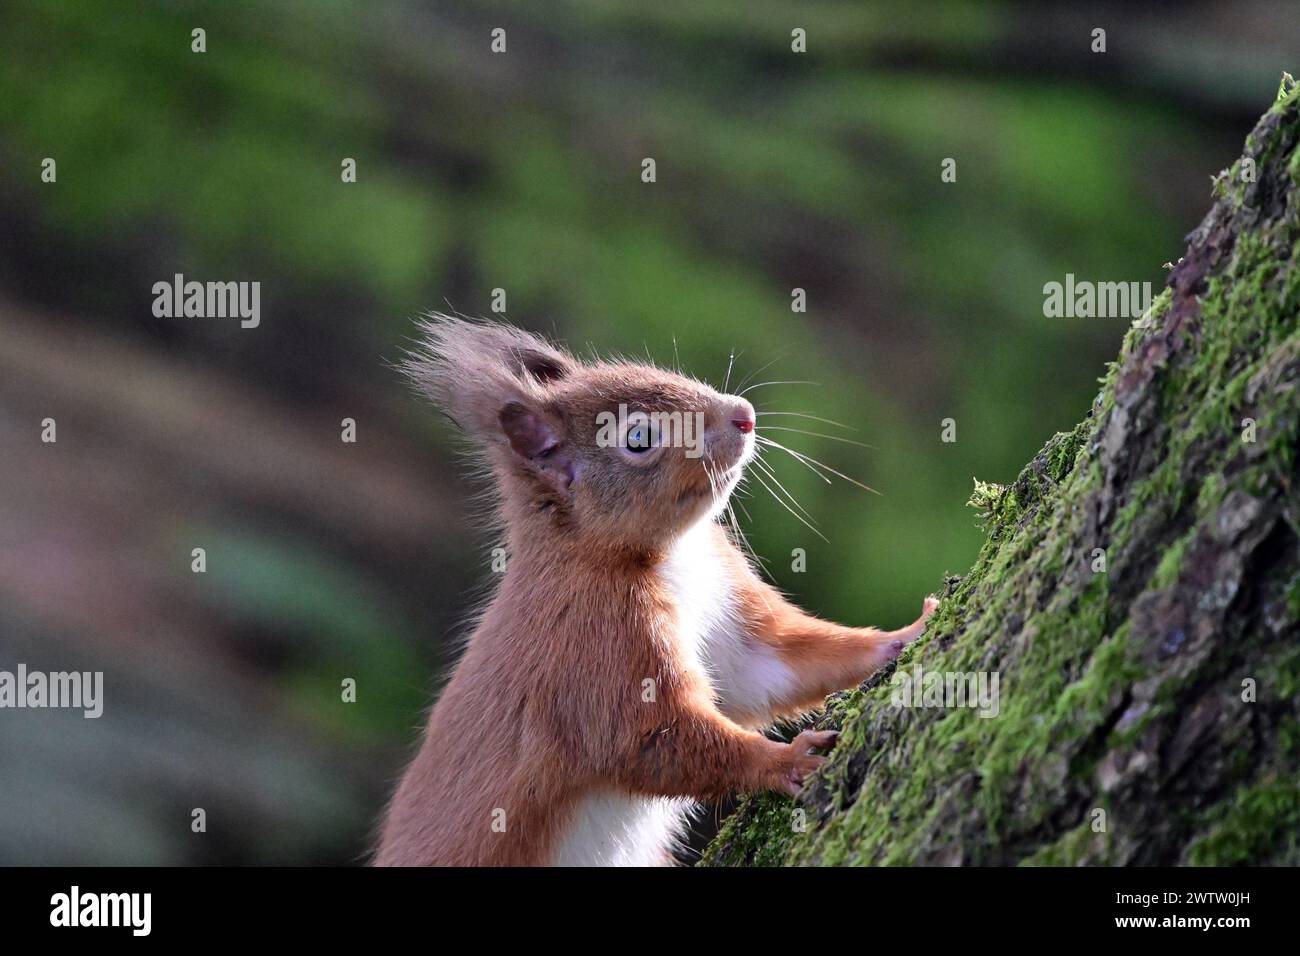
(1138, 599)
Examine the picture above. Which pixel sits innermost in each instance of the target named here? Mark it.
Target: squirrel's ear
(542, 366)
(474, 369)
(539, 441)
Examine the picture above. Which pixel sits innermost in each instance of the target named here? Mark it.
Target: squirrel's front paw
(895, 641)
(803, 761)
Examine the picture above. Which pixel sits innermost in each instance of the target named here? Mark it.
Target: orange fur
(586, 674)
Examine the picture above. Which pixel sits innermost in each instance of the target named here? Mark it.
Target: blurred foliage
(521, 171)
(293, 591)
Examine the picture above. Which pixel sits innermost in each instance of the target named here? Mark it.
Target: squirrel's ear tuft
(474, 369)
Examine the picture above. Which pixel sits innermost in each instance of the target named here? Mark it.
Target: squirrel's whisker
(759, 478)
(816, 418)
(801, 431)
(783, 382)
(808, 464)
(767, 470)
(744, 541)
(754, 374)
(730, 364)
(810, 461)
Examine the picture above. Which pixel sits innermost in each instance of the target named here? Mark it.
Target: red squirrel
(631, 653)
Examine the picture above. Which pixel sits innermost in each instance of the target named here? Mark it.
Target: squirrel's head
(606, 451)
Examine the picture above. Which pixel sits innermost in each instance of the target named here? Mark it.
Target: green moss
(766, 830)
(1089, 688)
(1063, 451)
(1293, 599)
(1286, 87)
(1261, 820)
(1280, 679)
(988, 501)
(1171, 561)
(1076, 847)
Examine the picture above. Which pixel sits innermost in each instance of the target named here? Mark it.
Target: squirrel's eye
(638, 438)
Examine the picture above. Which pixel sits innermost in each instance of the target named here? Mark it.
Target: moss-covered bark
(1124, 690)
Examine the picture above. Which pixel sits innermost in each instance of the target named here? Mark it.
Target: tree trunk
(1138, 600)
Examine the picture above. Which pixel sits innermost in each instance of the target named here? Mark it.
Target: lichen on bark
(1126, 733)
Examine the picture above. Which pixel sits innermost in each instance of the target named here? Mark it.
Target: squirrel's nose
(733, 410)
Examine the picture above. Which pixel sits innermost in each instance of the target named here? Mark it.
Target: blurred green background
(519, 171)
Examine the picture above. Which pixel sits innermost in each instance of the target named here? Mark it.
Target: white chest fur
(746, 675)
(621, 829)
